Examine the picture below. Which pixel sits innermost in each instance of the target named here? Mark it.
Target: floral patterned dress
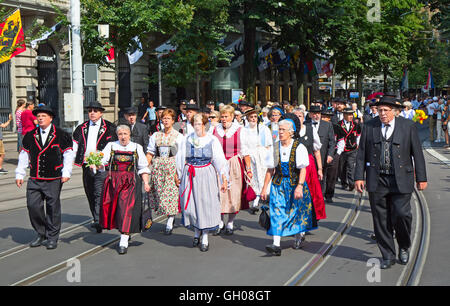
(163, 196)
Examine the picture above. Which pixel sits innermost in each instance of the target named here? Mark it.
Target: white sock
(205, 237)
(276, 240)
(230, 220)
(124, 241)
(197, 232)
(221, 223)
(299, 236)
(170, 220)
(256, 202)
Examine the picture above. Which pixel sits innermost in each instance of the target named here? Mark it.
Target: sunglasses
(93, 110)
(212, 117)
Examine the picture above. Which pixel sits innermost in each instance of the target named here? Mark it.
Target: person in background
(446, 124)
(432, 116)
(151, 113)
(408, 112)
(29, 121)
(439, 131)
(20, 107)
(2, 147)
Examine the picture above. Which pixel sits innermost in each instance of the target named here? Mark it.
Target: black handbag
(264, 218)
(146, 219)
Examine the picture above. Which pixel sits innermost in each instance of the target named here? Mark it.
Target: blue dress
(287, 215)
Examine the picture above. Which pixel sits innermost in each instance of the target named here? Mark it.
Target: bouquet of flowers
(420, 116)
(94, 159)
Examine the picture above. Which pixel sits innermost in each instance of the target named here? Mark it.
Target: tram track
(410, 275)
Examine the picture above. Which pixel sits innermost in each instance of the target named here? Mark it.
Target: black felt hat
(130, 110)
(389, 101)
(192, 107)
(95, 105)
(315, 109)
(43, 109)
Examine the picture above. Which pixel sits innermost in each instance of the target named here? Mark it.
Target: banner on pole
(12, 39)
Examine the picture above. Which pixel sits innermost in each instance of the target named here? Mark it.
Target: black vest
(46, 160)
(294, 173)
(386, 166)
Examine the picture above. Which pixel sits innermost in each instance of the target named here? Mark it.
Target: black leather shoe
(229, 231)
(122, 250)
(168, 232)
(328, 200)
(37, 242)
(97, 227)
(51, 245)
(273, 249)
(403, 256)
(204, 247)
(218, 231)
(351, 188)
(298, 244)
(196, 242)
(387, 263)
(253, 210)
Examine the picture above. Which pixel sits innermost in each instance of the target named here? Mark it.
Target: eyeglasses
(212, 117)
(93, 110)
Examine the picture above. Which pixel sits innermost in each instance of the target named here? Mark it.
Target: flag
(165, 49)
(237, 52)
(263, 52)
(46, 35)
(11, 37)
(136, 51)
(430, 83)
(110, 55)
(310, 69)
(404, 85)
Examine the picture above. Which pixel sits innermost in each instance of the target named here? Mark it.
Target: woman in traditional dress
(311, 140)
(276, 113)
(258, 145)
(161, 151)
(231, 139)
(122, 195)
(200, 161)
(291, 211)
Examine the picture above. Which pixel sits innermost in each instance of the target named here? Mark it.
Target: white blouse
(301, 156)
(142, 164)
(151, 148)
(218, 161)
(254, 141)
(230, 132)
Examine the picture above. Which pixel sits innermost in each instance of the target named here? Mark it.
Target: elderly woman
(231, 139)
(311, 140)
(161, 151)
(407, 112)
(122, 205)
(258, 145)
(200, 160)
(291, 211)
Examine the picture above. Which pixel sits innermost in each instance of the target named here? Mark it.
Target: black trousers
(331, 176)
(347, 168)
(391, 210)
(93, 187)
(46, 221)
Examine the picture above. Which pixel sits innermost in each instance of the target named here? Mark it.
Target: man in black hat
(211, 105)
(48, 151)
(139, 131)
(92, 136)
(388, 147)
(347, 136)
(341, 104)
(185, 127)
(326, 134)
(181, 115)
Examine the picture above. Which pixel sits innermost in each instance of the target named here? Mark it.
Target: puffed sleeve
(107, 153)
(180, 158)
(219, 161)
(301, 157)
(142, 164)
(244, 143)
(269, 162)
(151, 148)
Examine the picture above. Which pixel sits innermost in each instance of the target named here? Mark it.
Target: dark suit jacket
(326, 135)
(106, 133)
(405, 146)
(139, 135)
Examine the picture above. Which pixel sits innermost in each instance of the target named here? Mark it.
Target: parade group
(206, 163)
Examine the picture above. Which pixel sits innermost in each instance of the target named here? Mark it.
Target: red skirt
(312, 179)
(121, 207)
